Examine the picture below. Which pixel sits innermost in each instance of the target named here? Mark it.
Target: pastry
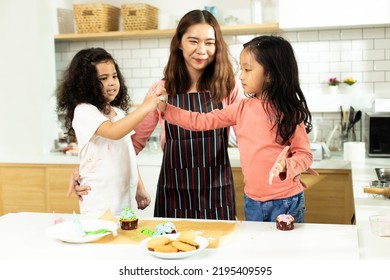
(184, 247)
(158, 241)
(128, 219)
(167, 248)
(165, 228)
(285, 222)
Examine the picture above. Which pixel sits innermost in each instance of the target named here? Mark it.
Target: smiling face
(108, 76)
(198, 47)
(252, 76)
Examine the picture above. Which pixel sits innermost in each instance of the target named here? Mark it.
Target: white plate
(66, 231)
(203, 243)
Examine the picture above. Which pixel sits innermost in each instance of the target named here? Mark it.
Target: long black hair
(285, 98)
(80, 84)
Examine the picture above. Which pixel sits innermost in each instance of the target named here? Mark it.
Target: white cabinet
(332, 13)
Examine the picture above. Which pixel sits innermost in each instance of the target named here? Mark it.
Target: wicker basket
(139, 17)
(96, 17)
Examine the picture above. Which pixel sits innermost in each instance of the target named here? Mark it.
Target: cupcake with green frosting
(128, 219)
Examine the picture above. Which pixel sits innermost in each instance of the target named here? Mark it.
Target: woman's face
(198, 47)
(108, 77)
(252, 74)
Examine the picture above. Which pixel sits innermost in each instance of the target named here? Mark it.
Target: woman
(196, 179)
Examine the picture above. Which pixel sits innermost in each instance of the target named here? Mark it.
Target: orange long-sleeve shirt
(257, 146)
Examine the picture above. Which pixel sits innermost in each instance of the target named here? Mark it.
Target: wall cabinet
(35, 188)
(328, 200)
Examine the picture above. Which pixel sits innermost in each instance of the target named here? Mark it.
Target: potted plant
(333, 82)
(349, 81)
(333, 85)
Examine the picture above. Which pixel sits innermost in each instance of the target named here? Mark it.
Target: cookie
(181, 246)
(158, 241)
(168, 248)
(187, 236)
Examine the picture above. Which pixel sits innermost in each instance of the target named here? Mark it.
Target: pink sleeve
(302, 157)
(196, 121)
(146, 128)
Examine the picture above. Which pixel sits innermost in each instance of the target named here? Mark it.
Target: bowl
(383, 174)
(380, 225)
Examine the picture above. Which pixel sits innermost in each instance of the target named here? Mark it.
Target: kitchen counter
(362, 173)
(23, 236)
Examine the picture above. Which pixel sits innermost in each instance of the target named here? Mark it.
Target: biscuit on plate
(158, 241)
(181, 246)
(187, 236)
(168, 248)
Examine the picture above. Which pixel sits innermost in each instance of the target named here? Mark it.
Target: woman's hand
(74, 185)
(279, 165)
(161, 93)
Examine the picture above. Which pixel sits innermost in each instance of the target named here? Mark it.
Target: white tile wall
(361, 53)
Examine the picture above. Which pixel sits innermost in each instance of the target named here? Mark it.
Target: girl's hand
(143, 198)
(155, 98)
(279, 165)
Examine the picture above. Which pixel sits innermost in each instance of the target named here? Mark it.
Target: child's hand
(161, 93)
(153, 97)
(162, 105)
(279, 165)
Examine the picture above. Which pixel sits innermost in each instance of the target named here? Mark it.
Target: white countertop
(23, 236)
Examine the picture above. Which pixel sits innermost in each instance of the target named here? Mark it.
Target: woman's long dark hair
(80, 84)
(283, 92)
(218, 77)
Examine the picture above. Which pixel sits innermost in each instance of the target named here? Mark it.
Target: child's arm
(142, 196)
(279, 165)
(200, 121)
(119, 129)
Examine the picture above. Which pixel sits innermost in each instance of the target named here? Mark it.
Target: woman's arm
(74, 185)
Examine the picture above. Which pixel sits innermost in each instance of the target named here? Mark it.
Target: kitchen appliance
(376, 133)
(380, 186)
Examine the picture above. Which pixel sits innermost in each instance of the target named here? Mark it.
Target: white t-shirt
(108, 166)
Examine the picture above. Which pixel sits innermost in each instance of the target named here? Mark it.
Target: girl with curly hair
(93, 98)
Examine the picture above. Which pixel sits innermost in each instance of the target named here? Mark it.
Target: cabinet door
(58, 181)
(22, 189)
(239, 188)
(329, 198)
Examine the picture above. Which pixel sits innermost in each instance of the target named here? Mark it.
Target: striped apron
(196, 179)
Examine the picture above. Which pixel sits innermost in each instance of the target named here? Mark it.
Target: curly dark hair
(218, 77)
(80, 84)
(283, 91)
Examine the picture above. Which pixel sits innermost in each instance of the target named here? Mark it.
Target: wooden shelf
(160, 33)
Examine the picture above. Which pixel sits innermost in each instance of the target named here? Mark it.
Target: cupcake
(285, 222)
(128, 219)
(165, 228)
